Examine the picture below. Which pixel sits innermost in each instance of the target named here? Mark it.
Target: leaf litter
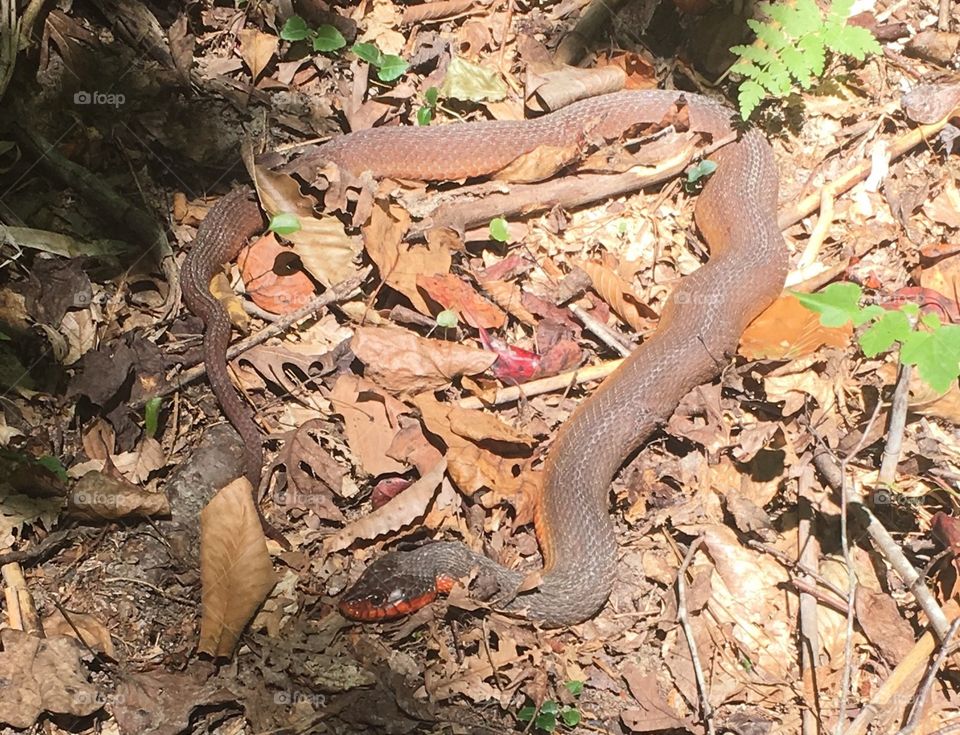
(381, 409)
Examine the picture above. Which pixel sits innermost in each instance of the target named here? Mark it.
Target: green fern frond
(791, 48)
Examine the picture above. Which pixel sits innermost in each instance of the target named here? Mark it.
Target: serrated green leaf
(295, 29)
(812, 47)
(840, 10)
(575, 687)
(368, 52)
(151, 416)
(328, 39)
(745, 68)
(447, 319)
(550, 707)
(779, 78)
(571, 717)
(749, 96)
(283, 223)
(499, 230)
(391, 67)
(781, 13)
(431, 96)
(808, 18)
(891, 327)
(796, 62)
(853, 41)
(772, 36)
(936, 355)
(837, 304)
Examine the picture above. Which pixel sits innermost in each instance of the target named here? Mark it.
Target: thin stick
(600, 331)
(898, 423)
(705, 709)
(921, 699)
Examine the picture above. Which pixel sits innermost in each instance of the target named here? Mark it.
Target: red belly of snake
(699, 329)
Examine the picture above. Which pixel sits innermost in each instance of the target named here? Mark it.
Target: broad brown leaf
(370, 419)
(455, 294)
(235, 570)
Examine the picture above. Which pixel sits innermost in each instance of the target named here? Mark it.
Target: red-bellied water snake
(698, 332)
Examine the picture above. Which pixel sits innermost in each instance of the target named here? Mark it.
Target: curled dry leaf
(235, 570)
(621, 297)
(276, 293)
(313, 476)
(400, 512)
(455, 294)
(95, 633)
(97, 495)
(324, 247)
(400, 263)
(404, 362)
(371, 421)
(472, 466)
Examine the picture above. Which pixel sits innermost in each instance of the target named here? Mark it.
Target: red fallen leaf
(387, 489)
(946, 529)
(514, 364)
(509, 267)
(564, 355)
(457, 295)
(278, 294)
(927, 299)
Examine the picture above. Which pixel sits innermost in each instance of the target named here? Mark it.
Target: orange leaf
(788, 329)
(278, 294)
(457, 295)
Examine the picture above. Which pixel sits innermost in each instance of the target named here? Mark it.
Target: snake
(697, 335)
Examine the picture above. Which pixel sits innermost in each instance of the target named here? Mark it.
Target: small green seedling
(324, 38)
(499, 230)
(429, 108)
(284, 223)
(389, 66)
(552, 714)
(151, 416)
(447, 319)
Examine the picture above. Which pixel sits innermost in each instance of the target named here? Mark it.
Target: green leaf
(892, 326)
(575, 687)
(699, 170)
(391, 67)
(368, 52)
(151, 416)
(571, 717)
(840, 10)
(807, 19)
(328, 39)
(853, 41)
(431, 96)
(749, 97)
(550, 707)
(283, 223)
(772, 36)
(447, 319)
(424, 116)
(546, 722)
(526, 714)
(936, 354)
(837, 304)
(472, 83)
(54, 465)
(816, 55)
(499, 230)
(295, 29)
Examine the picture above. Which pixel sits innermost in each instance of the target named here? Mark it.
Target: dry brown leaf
(137, 464)
(620, 296)
(235, 570)
(507, 296)
(404, 362)
(473, 467)
(278, 293)
(400, 512)
(788, 329)
(43, 675)
(410, 446)
(324, 247)
(256, 49)
(371, 422)
(945, 207)
(223, 292)
(883, 624)
(400, 263)
(97, 495)
(313, 476)
(456, 295)
(95, 633)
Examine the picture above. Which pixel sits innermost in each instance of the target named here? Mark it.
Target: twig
(811, 252)
(943, 15)
(898, 421)
(810, 638)
(561, 381)
(341, 291)
(600, 331)
(40, 551)
(920, 700)
(899, 685)
(706, 710)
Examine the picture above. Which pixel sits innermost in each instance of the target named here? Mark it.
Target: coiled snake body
(698, 332)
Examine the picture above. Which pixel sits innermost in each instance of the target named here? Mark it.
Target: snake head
(393, 586)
